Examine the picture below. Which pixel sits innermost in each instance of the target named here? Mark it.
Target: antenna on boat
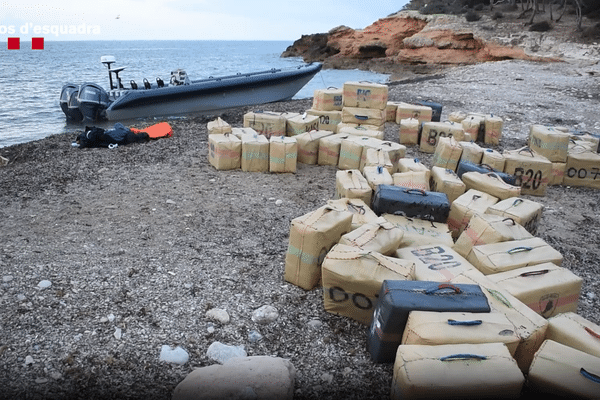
(108, 60)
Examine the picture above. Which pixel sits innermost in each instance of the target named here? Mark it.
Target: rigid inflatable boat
(181, 95)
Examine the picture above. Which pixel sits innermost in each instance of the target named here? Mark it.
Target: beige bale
(407, 110)
(390, 111)
(435, 262)
(365, 95)
(328, 120)
(532, 170)
(377, 175)
(418, 232)
(409, 131)
(558, 174)
(238, 132)
(493, 130)
(406, 164)
(529, 325)
(301, 123)
(465, 206)
(329, 149)
(563, 371)
(447, 153)
(352, 279)
(283, 154)
(471, 152)
(224, 151)
(361, 212)
(582, 169)
(549, 142)
(218, 126)
(432, 131)
(488, 228)
(360, 130)
(377, 157)
(525, 212)
(353, 185)
(473, 125)
(455, 371)
(266, 123)
(366, 116)
(457, 116)
(329, 99)
(351, 150)
(493, 158)
(499, 257)
(255, 153)
(490, 183)
(573, 330)
(435, 328)
(546, 288)
(446, 181)
(395, 151)
(308, 145)
(381, 236)
(311, 237)
(412, 179)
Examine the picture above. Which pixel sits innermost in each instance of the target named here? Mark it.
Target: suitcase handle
(417, 191)
(589, 375)
(465, 323)
(519, 249)
(509, 219)
(443, 286)
(463, 356)
(361, 117)
(533, 273)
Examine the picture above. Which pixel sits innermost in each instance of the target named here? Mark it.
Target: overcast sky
(185, 19)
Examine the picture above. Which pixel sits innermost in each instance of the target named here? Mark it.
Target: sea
(31, 80)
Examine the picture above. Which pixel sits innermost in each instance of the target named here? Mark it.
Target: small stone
(111, 317)
(212, 180)
(326, 377)
(265, 315)
(254, 336)
(56, 375)
(279, 202)
(218, 314)
(103, 320)
(315, 324)
(118, 333)
(44, 284)
(7, 278)
(41, 380)
(175, 356)
(171, 201)
(220, 352)
(29, 360)
(591, 295)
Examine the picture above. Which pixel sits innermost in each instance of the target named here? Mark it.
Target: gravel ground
(139, 242)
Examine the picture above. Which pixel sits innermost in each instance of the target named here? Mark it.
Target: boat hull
(213, 95)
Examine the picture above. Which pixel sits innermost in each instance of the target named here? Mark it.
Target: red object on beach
(156, 131)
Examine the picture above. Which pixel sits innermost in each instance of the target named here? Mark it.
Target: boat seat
(160, 82)
(134, 85)
(147, 84)
(116, 70)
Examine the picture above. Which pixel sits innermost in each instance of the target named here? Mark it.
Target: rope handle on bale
(487, 166)
(517, 202)
(465, 323)
(509, 219)
(588, 375)
(534, 273)
(527, 149)
(591, 332)
(443, 286)
(463, 356)
(361, 117)
(360, 210)
(519, 249)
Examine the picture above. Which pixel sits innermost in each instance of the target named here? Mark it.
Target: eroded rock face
(403, 38)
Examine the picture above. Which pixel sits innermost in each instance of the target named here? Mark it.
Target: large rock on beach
(258, 377)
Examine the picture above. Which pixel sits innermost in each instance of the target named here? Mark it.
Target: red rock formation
(401, 39)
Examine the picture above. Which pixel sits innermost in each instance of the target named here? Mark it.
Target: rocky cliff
(411, 40)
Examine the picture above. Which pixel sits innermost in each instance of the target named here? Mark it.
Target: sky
(185, 19)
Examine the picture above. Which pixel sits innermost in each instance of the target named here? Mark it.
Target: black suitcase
(398, 298)
(468, 166)
(436, 109)
(412, 203)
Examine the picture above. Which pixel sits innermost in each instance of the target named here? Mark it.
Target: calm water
(31, 80)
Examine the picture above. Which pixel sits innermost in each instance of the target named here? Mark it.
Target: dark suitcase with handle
(412, 203)
(398, 298)
(468, 166)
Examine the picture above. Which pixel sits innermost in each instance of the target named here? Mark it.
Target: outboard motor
(93, 102)
(69, 103)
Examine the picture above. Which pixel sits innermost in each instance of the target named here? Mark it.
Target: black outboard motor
(93, 102)
(69, 103)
